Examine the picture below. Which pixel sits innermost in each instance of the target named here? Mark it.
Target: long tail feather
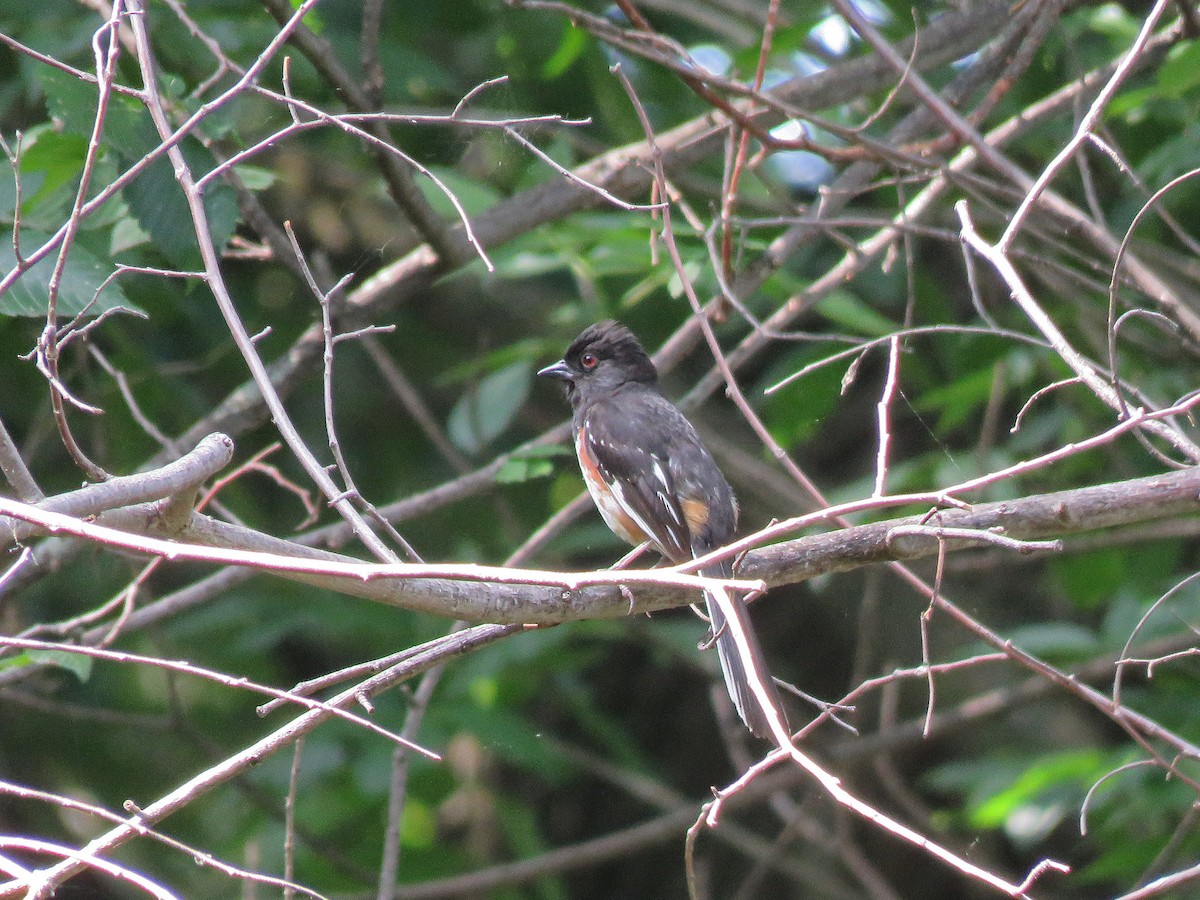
(747, 676)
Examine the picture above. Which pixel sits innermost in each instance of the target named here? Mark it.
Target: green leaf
(1131, 104)
(533, 463)
(846, 310)
(474, 196)
(1112, 20)
(126, 234)
(312, 19)
(50, 167)
(794, 413)
(81, 277)
(1181, 71)
(76, 663)
(574, 41)
(1024, 797)
(51, 163)
(960, 399)
(1088, 579)
(72, 104)
(157, 202)
(484, 412)
(16, 661)
(1049, 782)
(1056, 639)
(418, 826)
(256, 178)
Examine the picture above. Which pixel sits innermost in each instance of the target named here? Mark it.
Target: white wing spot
(664, 494)
(660, 474)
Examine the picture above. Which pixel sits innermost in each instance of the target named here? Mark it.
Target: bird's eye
(588, 360)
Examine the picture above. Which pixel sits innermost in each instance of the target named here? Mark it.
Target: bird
(652, 480)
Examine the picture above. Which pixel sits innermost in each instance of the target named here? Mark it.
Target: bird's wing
(629, 452)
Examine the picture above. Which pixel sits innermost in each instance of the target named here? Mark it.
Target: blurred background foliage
(562, 735)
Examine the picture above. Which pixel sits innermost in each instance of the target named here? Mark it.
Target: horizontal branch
(348, 568)
(484, 594)
(1037, 517)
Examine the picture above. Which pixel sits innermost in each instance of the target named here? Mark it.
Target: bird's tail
(742, 661)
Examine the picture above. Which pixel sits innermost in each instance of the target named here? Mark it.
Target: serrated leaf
(486, 410)
(82, 275)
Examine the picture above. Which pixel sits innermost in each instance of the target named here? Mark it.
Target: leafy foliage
(831, 256)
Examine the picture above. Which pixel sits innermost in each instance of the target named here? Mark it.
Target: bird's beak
(559, 370)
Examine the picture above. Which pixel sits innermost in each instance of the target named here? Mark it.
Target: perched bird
(653, 480)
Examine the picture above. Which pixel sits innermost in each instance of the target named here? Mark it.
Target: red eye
(588, 360)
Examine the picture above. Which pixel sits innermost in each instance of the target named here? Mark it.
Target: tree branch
(515, 601)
